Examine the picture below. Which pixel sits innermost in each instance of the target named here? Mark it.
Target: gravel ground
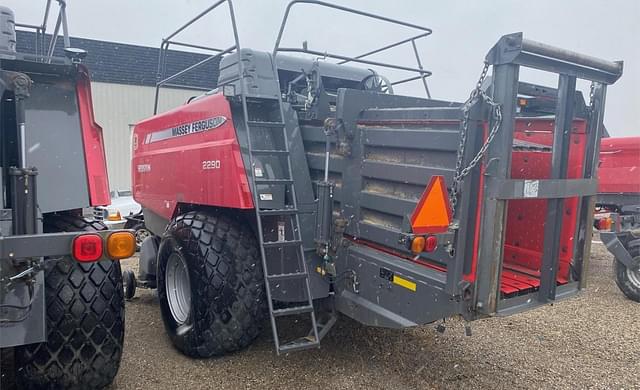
(589, 341)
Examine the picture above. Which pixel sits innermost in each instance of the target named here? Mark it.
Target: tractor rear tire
(628, 280)
(213, 263)
(85, 322)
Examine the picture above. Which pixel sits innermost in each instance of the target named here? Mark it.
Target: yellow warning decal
(404, 283)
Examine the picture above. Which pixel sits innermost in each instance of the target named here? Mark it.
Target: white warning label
(531, 188)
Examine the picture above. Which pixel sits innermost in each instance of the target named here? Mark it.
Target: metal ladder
(290, 213)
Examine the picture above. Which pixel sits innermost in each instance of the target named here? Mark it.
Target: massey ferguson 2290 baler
(305, 187)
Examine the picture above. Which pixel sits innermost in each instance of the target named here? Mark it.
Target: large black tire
(226, 284)
(85, 322)
(629, 280)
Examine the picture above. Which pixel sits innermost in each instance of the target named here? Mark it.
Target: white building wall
(116, 107)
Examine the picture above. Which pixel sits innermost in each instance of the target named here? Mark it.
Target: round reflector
(431, 243)
(121, 245)
(417, 244)
(87, 247)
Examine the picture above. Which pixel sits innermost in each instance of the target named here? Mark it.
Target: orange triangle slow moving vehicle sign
(432, 214)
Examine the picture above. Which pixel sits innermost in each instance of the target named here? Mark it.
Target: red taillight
(87, 247)
(430, 244)
(605, 224)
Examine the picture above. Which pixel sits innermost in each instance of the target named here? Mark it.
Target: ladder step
(279, 244)
(268, 213)
(265, 124)
(293, 275)
(262, 152)
(273, 181)
(292, 310)
(299, 345)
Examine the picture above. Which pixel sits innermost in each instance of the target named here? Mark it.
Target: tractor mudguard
(620, 251)
(148, 260)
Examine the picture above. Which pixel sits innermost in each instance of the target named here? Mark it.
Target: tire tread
(85, 321)
(227, 284)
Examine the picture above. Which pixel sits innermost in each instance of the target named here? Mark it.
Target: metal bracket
(18, 82)
(541, 188)
(617, 249)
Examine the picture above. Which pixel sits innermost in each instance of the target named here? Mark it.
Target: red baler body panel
(95, 159)
(175, 161)
(619, 170)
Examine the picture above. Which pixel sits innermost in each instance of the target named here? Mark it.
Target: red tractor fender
(619, 170)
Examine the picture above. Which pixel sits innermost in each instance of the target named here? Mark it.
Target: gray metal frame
(507, 56)
(40, 30)
(29, 246)
(422, 74)
(219, 53)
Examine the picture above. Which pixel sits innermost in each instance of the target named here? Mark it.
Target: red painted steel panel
(189, 155)
(506, 288)
(95, 159)
(619, 170)
(525, 218)
(522, 278)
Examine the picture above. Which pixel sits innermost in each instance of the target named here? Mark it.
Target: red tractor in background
(618, 209)
(61, 295)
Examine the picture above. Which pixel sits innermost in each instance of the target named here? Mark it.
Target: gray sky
(463, 32)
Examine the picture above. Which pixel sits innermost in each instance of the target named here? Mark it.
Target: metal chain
(592, 99)
(496, 110)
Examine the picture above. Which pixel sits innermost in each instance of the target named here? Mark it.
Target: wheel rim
(178, 288)
(634, 275)
(141, 235)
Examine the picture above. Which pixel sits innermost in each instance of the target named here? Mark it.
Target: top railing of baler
(421, 73)
(169, 40)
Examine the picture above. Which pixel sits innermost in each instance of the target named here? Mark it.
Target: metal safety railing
(422, 74)
(40, 30)
(163, 80)
(507, 57)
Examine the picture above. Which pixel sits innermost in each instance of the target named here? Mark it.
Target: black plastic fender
(619, 250)
(148, 261)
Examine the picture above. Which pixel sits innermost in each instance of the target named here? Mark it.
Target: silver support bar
(570, 56)
(424, 80)
(341, 57)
